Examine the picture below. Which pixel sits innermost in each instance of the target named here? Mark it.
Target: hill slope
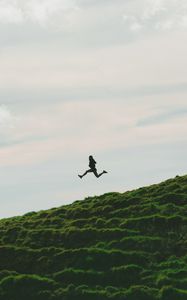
(130, 246)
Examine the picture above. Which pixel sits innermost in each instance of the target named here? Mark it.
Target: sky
(106, 78)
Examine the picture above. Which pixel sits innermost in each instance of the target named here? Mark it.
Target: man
(92, 169)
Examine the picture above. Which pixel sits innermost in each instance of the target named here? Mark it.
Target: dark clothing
(92, 164)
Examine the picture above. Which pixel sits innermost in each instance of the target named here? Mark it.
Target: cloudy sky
(81, 77)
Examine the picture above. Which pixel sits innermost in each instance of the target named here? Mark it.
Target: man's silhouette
(92, 169)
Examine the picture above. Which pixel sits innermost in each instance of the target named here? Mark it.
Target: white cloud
(149, 15)
(6, 117)
(10, 12)
(41, 12)
(158, 14)
(44, 10)
(153, 8)
(133, 23)
(183, 21)
(136, 27)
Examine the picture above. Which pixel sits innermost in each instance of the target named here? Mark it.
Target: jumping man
(92, 169)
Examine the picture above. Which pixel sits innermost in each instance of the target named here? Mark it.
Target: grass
(129, 246)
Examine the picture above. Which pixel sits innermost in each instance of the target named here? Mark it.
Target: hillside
(118, 246)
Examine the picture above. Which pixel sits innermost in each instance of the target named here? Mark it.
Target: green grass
(129, 246)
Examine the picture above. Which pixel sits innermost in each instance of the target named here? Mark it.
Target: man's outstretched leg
(88, 171)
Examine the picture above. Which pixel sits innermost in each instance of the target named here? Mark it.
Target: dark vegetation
(130, 246)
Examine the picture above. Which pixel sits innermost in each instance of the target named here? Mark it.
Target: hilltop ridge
(120, 246)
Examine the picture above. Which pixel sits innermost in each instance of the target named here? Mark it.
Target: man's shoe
(80, 176)
(104, 172)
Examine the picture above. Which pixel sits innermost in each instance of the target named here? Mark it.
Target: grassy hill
(129, 246)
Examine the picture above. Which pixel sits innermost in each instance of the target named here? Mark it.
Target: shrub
(25, 286)
(170, 293)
